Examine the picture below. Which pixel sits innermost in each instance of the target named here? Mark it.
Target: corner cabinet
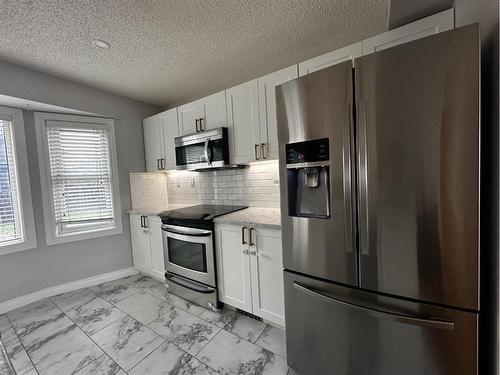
(250, 270)
(251, 113)
(267, 108)
(147, 245)
(159, 133)
(427, 26)
(331, 58)
(203, 114)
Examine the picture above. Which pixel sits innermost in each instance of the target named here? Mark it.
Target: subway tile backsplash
(256, 186)
(149, 191)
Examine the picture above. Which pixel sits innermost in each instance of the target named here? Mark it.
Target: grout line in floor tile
(22, 343)
(96, 344)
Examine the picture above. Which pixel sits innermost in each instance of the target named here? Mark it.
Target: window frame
(23, 178)
(41, 119)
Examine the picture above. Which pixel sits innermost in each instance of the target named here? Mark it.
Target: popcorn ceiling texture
(164, 52)
(255, 186)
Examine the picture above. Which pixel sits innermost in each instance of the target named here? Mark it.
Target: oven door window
(190, 255)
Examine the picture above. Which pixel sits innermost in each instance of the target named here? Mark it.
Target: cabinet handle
(264, 150)
(196, 122)
(158, 164)
(162, 162)
(253, 252)
(142, 221)
(145, 222)
(251, 242)
(245, 252)
(256, 152)
(201, 123)
(243, 242)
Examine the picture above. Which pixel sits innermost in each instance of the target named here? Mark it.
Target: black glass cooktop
(202, 212)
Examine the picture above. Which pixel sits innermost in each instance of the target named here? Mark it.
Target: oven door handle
(208, 152)
(189, 284)
(186, 231)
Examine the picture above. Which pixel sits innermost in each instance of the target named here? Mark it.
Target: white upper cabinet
(243, 121)
(153, 147)
(434, 24)
(213, 111)
(170, 128)
(203, 114)
(159, 133)
(331, 58)
(189, 115)
(267, 109)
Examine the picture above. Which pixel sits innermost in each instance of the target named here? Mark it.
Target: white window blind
(11, 227)
(80, 171)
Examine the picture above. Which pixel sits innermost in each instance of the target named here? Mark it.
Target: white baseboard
(63, 288)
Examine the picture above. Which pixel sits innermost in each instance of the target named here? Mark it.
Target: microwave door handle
(208, 153)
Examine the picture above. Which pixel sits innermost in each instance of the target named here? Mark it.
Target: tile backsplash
(149, 191)
(255, 186)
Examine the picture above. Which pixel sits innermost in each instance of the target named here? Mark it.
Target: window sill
(17, 247)
(54, 240)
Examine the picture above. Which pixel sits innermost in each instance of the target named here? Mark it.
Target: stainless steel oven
(189, 252)
(188, 247)
(208, 149)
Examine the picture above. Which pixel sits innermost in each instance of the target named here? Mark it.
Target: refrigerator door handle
(381, 314)
(348, 202)
(363, 195)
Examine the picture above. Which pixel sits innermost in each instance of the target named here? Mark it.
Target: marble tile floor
(134, 326)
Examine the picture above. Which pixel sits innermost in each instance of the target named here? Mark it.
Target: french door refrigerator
(379, 169)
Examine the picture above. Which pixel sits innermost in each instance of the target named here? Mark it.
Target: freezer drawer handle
(431, 323)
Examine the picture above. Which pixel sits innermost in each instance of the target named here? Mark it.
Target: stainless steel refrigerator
(379, 169)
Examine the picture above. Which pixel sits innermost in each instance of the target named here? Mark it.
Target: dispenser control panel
(316, 150)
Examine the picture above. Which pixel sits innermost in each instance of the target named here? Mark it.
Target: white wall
(46, 266)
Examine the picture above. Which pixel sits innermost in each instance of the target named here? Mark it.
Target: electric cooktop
(200, 213)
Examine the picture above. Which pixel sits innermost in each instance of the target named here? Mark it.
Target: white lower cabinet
(147, 244)
(250, 270)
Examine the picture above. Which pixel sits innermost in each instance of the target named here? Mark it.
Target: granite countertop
(256, 216)
(154, 211)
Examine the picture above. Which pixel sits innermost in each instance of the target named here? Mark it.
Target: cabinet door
(243, 116)
(170, 131)
(233, 267)
(152, 128)
(188, 114)
(267, 108)
(266, 264)
(331, 58)
(156, 243)
(141, 250)
(213, 111)
(419, 29)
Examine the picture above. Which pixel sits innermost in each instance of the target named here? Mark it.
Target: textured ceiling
(165, 51)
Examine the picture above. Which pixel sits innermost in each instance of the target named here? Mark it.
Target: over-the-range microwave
(203, 150)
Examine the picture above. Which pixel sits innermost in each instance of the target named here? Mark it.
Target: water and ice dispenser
(308, 178)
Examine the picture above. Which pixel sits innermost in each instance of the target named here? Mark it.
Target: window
(78, 162)
(17, 230)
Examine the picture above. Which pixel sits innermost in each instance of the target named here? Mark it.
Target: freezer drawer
(332, 329)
